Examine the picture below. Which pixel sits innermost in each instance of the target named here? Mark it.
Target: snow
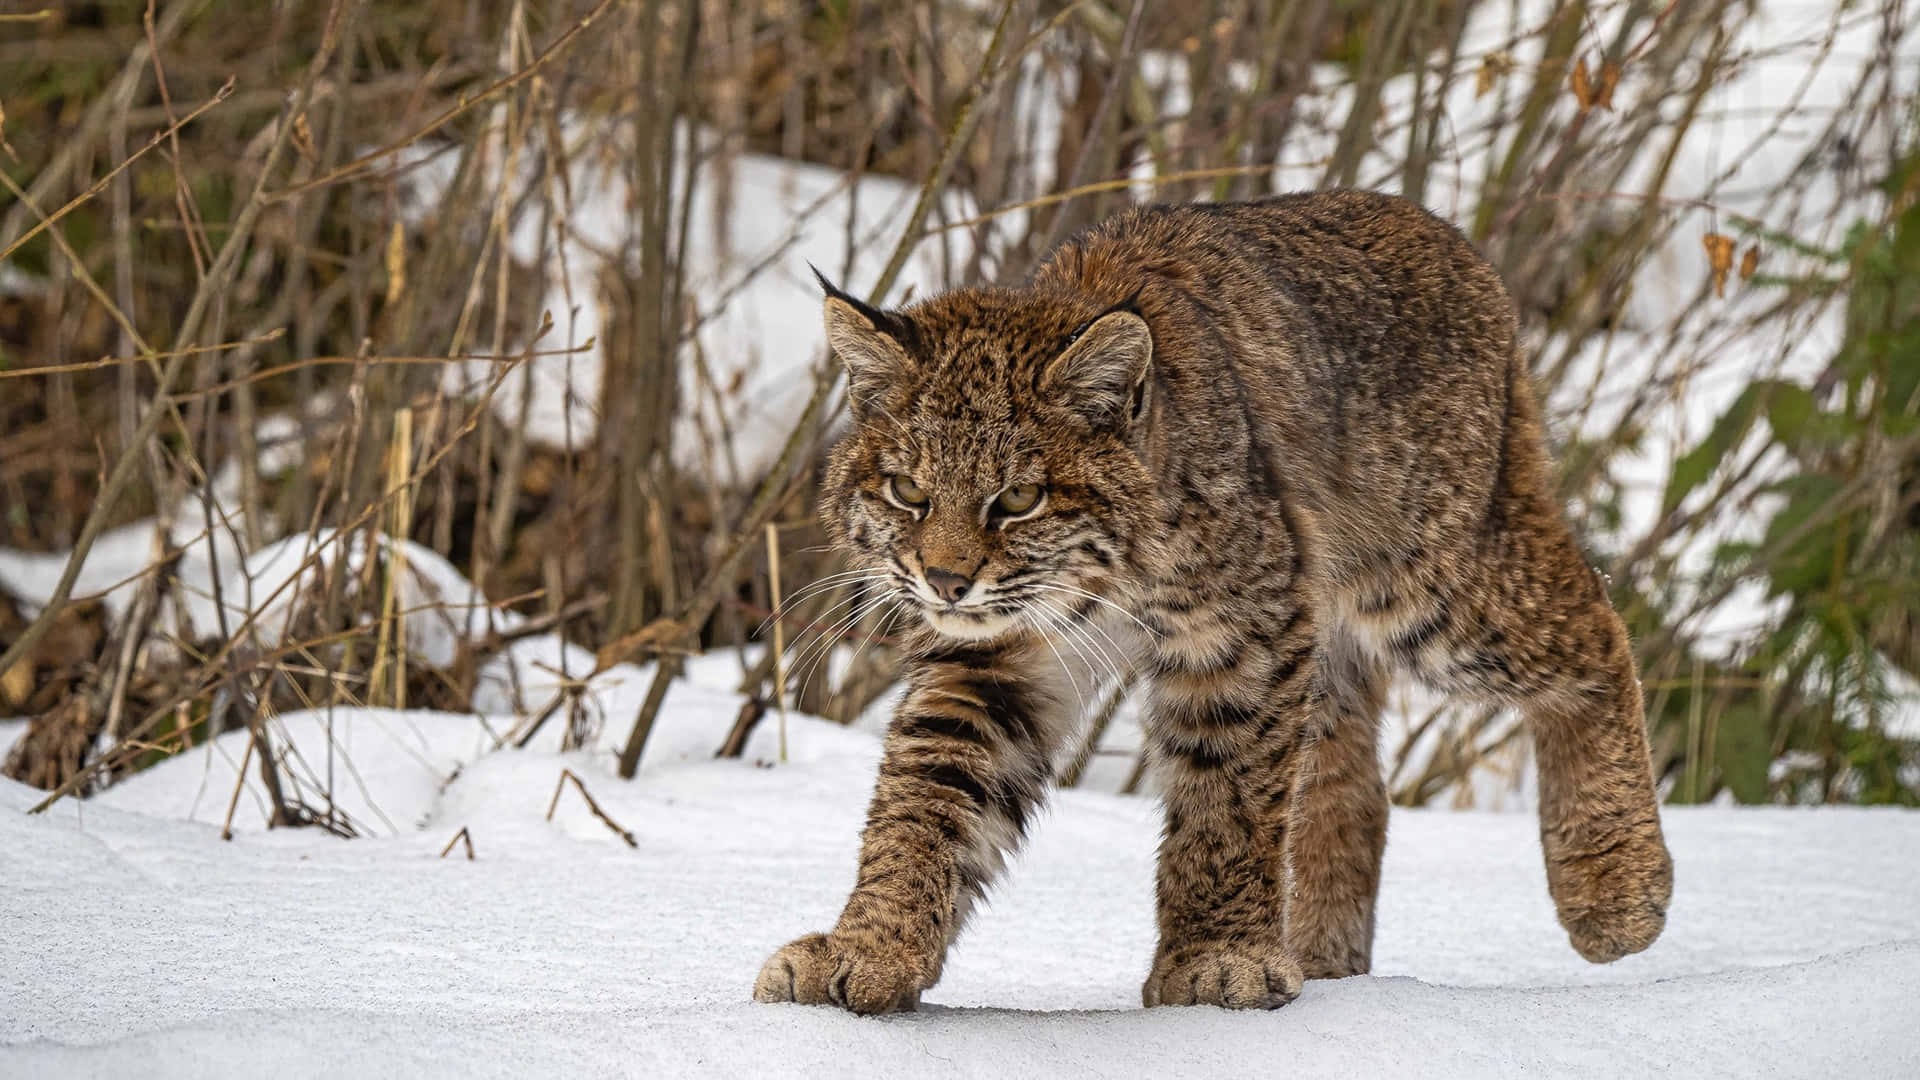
(143, 943)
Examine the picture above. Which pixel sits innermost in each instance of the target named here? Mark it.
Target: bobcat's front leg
(1227, 723)
(966, 761)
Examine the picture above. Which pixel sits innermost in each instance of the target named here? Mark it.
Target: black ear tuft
(827, 286)
(887, 322)
(874, 345)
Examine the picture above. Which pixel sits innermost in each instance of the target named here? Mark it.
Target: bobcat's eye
(1018, 499)
(906, 492)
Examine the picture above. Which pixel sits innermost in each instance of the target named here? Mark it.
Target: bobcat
(1275, 451)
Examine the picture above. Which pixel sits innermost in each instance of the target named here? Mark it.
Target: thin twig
(313, 557)
(239, 782)
(365, 161)
(566, 775)
(462, 835)
(100, 185)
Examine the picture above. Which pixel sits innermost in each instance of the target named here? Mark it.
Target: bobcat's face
(988, 473)
(978, 525)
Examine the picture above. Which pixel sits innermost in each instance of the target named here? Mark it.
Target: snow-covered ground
(138, 943)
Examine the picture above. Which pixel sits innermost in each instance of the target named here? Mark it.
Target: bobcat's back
(1348, 346)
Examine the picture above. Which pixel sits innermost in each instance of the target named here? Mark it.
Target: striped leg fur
(966, 763)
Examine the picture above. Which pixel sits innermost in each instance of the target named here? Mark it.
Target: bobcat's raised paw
(1231, 976)
(826, 969)
(1612, 902)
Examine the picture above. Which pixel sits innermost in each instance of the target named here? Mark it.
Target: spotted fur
(1287, 448)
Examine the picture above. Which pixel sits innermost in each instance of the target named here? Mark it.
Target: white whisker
(824, 642)
(1073, 626)
(844, 575)
(839, 627)
(793, 600)
(1085, 645)
(1098, 599)
(1125, 661)
(1064, 668)
(821, 619)
(879, 624)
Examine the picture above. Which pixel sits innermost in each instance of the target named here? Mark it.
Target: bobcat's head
(991, 471)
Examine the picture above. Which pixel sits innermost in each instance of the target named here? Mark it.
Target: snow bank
(142, 944)
(441, 606)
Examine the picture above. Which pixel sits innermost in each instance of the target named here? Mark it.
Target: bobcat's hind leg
(1526, 621)
(1552, 646)
(1339, 822)
(1607, 864)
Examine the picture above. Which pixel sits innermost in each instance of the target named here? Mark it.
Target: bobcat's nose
(948, 585)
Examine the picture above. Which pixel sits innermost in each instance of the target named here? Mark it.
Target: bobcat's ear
(1102, 375)
(870, 342)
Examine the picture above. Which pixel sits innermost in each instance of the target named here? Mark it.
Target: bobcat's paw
(1231, 976)
(828, 969)
(1612, 901)
(1345, 965)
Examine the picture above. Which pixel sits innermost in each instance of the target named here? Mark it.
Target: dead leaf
(1492, 66)
(55, 745)
(396, 262)
(1719, 259)
(1749, 262)
(303, 139)
(1582, 84)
